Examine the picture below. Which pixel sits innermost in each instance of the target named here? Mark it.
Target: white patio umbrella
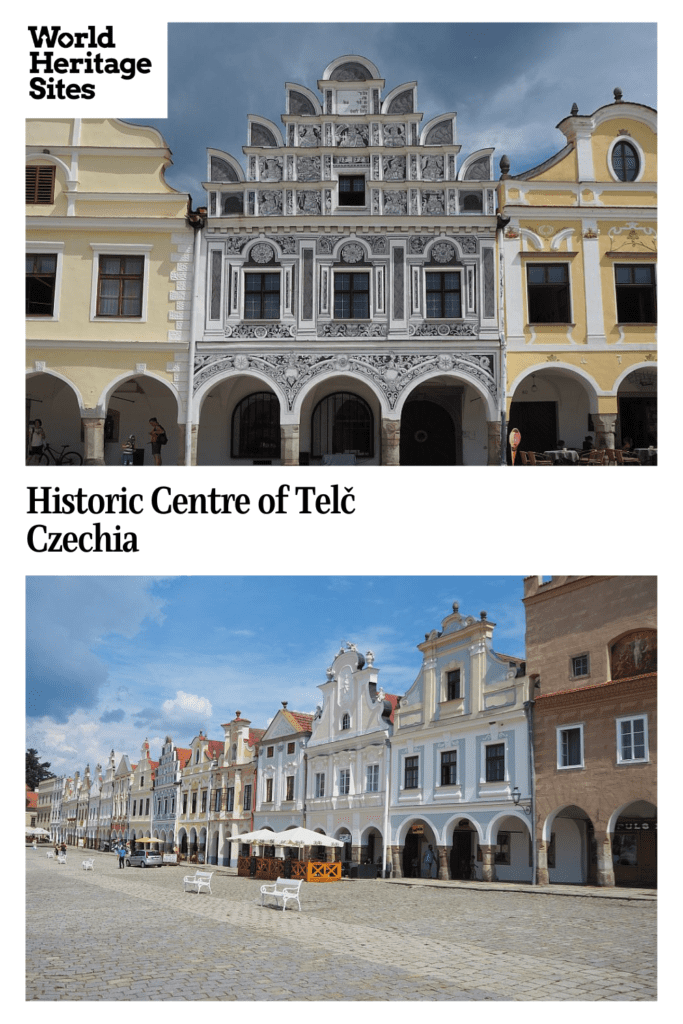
(303, 837)
(261, 837)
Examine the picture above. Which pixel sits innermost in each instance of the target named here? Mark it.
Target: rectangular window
(580, 666)
(230, 799)
(570, 747)
(636, 294)
(40, 185)
(246, 803)
(269, 751)
(194, 803)
(290, 787)
(217, 800)
(41, 274)
(184, 803)
(411, 777)
(291, 747)
(146, 805)
(548, 290)
(449, 768)
(502, 854)
(119, 286)
(166, 806)
(320, 784)
(135, 804)
(443, 295)
(173, 806)
(372, 778)
(632, 739)
(351, 190)
(269, 791)
(495, 762)
(204, 801)
(352, 296)
(345, 780)
(261, 296)
(453, 685)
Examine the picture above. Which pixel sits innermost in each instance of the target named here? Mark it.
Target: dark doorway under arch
(429, 436)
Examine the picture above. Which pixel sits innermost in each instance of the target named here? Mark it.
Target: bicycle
(64, 457)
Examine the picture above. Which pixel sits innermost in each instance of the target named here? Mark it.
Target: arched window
(625, 162)
(256, 427)
(346, 722)
(472, 202)
(342, 424)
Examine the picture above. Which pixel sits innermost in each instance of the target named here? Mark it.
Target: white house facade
(350, 287)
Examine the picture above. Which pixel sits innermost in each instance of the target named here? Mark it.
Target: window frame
(646, 745)
(240, 446)
(441, 273)
(324, 425)
(580, 657)
(346, 721)
(490, 760)
(101, 249)
(246, 797)
(411, 771)
(319, 784)
(250, 274)
(289, 787)
(49, 249)
(352, 292)
(340, 192)
(561, 730)
(640, 156)
(230, 798)
(638, 289)
(450, 683)
(372, 778)
(449, 768)
(548, 285)
(52, 169)
(344, 781)
(268, 799)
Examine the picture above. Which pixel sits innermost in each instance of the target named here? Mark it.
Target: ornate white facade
(351, 299)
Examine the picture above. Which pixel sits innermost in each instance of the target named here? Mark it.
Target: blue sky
(112, 660)
(510, 84)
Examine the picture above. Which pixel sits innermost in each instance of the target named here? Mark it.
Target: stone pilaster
(396, 858)
(605, 863)
(442, 871)
(93, 434)
(289, 444)
(604, 423)
(542, 862)
(493, 442)
(488, 864)
(391, 442)
(356, 854)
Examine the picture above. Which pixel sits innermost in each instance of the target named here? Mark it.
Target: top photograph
(379, 245)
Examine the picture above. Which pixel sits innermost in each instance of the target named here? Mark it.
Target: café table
(563, 456)
(646, 456)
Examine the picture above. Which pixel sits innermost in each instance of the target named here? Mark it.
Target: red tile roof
(597, 686)
(31, 799)
(215, 748)
(301, 721)
(393, 700)
(184, 755)
(254, 736)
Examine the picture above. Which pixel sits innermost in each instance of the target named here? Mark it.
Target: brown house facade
(592, 656)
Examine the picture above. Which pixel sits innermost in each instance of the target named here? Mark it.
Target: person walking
(427, 862)
(122, 856)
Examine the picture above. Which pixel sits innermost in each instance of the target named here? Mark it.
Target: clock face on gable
(352, 101)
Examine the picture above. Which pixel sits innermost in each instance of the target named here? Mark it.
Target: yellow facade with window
(578, 238)
(109, 281)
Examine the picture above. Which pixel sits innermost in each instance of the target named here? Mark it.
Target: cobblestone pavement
(134, 934)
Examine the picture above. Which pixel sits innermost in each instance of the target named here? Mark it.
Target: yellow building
(109, 270)
(578, 243)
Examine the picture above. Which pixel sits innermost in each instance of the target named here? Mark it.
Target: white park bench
(61, 858)
(89, 864)
(284, 889)
(198, 881)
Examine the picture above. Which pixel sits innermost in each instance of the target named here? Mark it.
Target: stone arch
(511, 865)
(350, 67)
(567, 859)
(564, 396)
(53, 398)
(215, 405)
(126, 405)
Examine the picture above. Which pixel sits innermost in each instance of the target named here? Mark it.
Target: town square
(107, 934)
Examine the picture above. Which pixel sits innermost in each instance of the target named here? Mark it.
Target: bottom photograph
(351, 788)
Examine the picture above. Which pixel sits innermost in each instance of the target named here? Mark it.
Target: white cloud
(187, 706)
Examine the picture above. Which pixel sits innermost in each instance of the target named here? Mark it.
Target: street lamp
(516, 797)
